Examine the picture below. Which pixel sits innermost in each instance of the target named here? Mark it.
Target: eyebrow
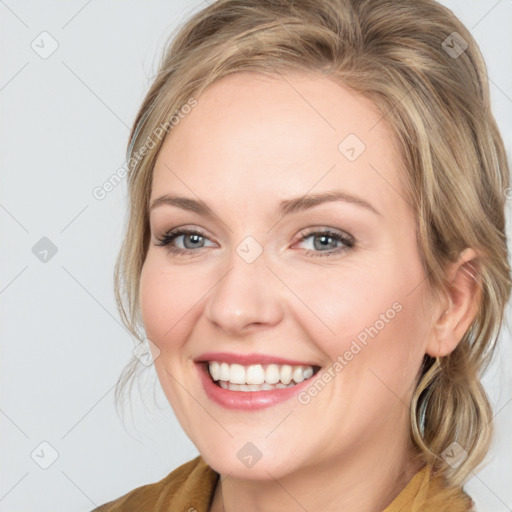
(286, 207)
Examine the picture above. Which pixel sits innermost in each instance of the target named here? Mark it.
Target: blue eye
(327, 239)
(193, 239)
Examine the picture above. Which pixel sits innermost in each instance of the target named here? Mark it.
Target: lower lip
(246, 400)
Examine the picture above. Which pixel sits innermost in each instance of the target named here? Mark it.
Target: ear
(459, 307)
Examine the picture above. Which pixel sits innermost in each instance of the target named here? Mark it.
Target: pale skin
(251, 143)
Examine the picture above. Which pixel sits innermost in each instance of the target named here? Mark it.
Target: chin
(248, 461)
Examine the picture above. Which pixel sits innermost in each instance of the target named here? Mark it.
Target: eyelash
(169, 237)
(347, 241)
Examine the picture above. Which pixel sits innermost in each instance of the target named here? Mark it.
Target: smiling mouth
(258, 377)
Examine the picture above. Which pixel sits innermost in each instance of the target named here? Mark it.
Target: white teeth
(252, 387)
(237, 374)
(272, 374)
(255, 374)
(298, 375)
(286, 374)
(214, 370)
(257, 377)
(223, 372)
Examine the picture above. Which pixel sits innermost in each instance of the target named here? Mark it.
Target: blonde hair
(433, 93)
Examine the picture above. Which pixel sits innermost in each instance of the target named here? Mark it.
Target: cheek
(385, 345)
(167, 301)
(344, 302)
(369, 316)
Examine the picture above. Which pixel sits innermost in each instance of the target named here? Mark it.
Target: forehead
(254, 136)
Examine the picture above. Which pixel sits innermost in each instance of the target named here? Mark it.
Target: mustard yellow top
(190, 488)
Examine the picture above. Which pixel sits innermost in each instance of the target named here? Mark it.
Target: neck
(365, 480)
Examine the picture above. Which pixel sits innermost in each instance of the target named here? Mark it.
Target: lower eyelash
(166, 240)
(348, 242)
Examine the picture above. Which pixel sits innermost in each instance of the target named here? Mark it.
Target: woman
(316, 256)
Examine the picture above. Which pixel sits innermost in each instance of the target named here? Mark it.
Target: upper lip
(247, 359)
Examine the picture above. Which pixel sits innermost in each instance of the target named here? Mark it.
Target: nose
(247, 296)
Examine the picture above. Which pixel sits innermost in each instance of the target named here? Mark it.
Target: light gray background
(64, 124)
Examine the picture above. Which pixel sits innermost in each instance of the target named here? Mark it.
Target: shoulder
(188, 488)
(427, 492)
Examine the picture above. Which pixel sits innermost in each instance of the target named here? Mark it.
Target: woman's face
(274, 274)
